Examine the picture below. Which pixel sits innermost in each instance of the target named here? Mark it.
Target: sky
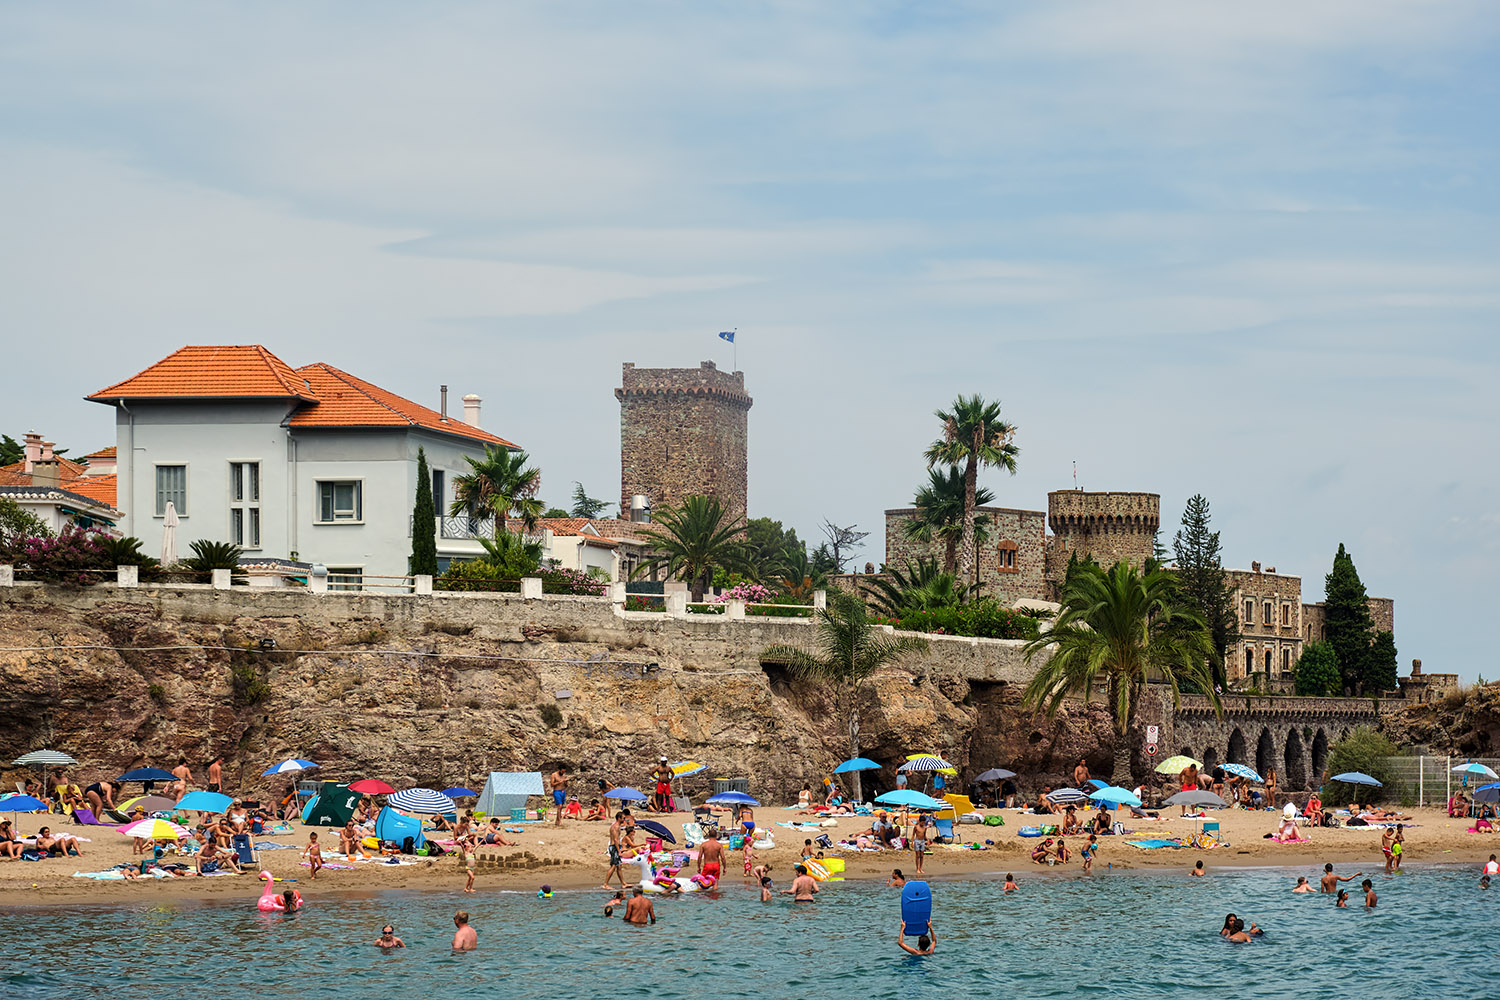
(1248, 251)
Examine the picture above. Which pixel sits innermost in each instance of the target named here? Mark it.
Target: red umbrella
(371, 786)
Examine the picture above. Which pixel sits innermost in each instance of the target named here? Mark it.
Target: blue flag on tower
(727, 335)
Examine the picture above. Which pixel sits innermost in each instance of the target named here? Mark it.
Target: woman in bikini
(10, 846)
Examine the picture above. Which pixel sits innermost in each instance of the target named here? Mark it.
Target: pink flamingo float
(273, 902)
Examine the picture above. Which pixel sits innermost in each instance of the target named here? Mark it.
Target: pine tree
(1380, 668)
(423, 523)
(1346, 620)
(1317, 670)
(1201, 580)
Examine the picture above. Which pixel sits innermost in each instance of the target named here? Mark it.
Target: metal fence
(1426, 780)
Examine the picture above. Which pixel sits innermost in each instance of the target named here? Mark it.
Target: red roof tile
(101, 488)
(344, 400)
(557, 525)
(226, 371)
(16, 474)
(102, 453)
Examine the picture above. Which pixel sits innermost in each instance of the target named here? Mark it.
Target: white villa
(310, 464)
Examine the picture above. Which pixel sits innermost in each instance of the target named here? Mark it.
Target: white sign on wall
(1153, 734)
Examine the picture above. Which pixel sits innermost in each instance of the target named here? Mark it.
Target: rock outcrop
(1465, 723)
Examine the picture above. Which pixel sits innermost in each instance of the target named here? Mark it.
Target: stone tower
(683, 432)
(1108, 526)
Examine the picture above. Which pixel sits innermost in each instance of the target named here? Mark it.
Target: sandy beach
(573, 857)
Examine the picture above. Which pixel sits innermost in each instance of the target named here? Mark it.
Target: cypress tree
(1346, 620)
(423, 523)
(1201, 580)
(1380, 672)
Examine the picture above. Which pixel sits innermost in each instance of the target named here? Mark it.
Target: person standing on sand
(216, 774)
(1398, 844)
(711, 856)
(1080, 774)
(639, 910)
(1387, 838)
(615, 861)
(1330, 881)
(314, 855)
(184, 775)
(464, 938)
(557, 781)
(919, 840)
(471, 859)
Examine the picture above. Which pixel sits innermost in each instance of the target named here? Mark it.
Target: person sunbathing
(59, 844)
(10, 845)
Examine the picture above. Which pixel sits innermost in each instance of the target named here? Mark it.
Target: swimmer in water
(1010, 883)
(926, 944)
(1303, 885)
(765, 889)
(1343, 899)
(388, 939)
(464, 937)
(617, 900)
(1236, 931)
(803, 889)
(1330, 881)
(1484, 882)
(897, 879)
(1369, 888)
(1197, 871)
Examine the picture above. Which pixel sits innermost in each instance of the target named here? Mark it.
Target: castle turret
(1108, 526)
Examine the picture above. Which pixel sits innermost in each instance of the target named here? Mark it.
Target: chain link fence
(1426, 780)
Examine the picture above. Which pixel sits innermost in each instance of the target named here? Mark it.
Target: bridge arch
(1236, 753)
(1294, 760)
(1210, 758)
(1265, 752)
(1319, 755)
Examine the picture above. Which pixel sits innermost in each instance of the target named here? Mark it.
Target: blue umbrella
(422, 800)
(22, 804)
(907, 797)
(209, 802)
(1356, 778)
(625, 794)
(460, 793)
(1098, 784)
(1066, 795)
(1117, 795)
(147, 774)
(856, 764)
(1473, 768)
(1241, 771)
(288, 767)
(732, 799)
(1488, 793)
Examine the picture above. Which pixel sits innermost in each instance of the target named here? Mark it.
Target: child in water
(1092, 848)
(617, 900)
(1010, 883)
(765, 889)
(1343, 898)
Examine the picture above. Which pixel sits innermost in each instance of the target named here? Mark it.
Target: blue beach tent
(394, 827)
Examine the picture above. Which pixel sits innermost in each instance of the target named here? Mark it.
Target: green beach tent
(332, 806)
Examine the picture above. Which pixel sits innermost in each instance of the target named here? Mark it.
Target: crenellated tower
(1107, 526)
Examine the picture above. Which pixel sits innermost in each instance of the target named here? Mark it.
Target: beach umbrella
(147, 774)
(289, 767)
(925, 763)
(1178, 763)
(908, 797)
(1066, 795)
(1241, 771)
(153, 829)
(209, 802)
(169, 524)
(371, 786)
(1116, 795)
(150, 803)
(683, 768)
(457, 792)
(1356, 778)
(1198, 798)
(626, 794)
(22, 804)
(1098, 784)
(1479, 769)
(652, 826)
(996, 774)
(1484, 793)
(730, 799)
(45, 759)
(422, 800)
(856, 764)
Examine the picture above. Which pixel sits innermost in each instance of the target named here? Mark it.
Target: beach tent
(331, 806)
(507, 790)
(394, 827)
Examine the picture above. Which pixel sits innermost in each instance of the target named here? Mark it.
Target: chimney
(33, 449)
(45, 473)
(640, 509)
(443, 407)
(1270, 569)
(471, 409)
(47, 454)
(1255, 567)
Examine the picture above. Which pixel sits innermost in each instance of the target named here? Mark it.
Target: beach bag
(408, 845)
(209, 867)
(823, 841)
(1118, 828)
(434, 849)
(1051, 830)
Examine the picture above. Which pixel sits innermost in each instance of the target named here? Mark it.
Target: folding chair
(245, 850)
(85, 817)
(945, 830)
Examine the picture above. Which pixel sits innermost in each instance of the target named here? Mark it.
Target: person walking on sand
(216, 774)
(464, 937)
(314, 855)
(1387, 838)
(616, 863)
(919, 840)
(184, 776)
(470, 848)
(1330, 882)
(557, 781)
(1398, 844)
(638, 910)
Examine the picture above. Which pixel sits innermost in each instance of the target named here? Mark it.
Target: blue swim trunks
(559, 797)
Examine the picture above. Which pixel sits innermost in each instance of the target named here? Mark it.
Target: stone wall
(684, 431)
(1011, 564)
(1382, 616)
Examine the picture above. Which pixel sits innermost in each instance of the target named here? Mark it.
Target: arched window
(1249, 660)
(1268, 663)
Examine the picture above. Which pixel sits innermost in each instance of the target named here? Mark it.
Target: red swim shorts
(711, 869)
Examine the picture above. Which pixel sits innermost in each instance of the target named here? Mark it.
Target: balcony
(472, 529)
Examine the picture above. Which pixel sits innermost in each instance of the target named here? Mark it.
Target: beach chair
(85, 817)
(681, 803)
(945, 830)
(244, 849)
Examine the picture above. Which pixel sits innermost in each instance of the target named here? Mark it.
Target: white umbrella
(169, 535)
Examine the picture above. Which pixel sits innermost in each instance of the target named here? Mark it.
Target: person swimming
(926, 943)
(1343, 899)
(897, 879)
(1303, 885)
(388, 939)
(617, 900)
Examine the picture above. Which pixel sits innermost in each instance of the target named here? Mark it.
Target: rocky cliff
(442, 690)
(1465, 723)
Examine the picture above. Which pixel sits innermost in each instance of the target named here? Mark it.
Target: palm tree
(511, 555)
(694, 539)
(500, 484)
(850, 648)
(973, 435)
(940, 514)
(922, 586)
(798, 576)
(1120, 627)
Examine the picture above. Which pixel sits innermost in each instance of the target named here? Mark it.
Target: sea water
(1133, 934)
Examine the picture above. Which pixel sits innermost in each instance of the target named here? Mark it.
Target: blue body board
(916, 907)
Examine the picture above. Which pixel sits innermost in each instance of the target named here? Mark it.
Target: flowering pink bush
(750, 593)
(64, 558)
(571, 581)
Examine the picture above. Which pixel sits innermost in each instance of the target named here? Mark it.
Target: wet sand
(573, 857)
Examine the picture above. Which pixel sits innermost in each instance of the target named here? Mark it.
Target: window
(1286, 660)
(1268, 614)
(171, 487)
(1249, 611)
(244, 504)
(1249, 661)
(346, 577)
(340, 501)
(1007, 557)
(437, 491)
(1286, 616)
(1268, 663)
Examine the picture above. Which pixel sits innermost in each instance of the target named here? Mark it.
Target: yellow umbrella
(1173, 765)
(683, 767)
(153, 829)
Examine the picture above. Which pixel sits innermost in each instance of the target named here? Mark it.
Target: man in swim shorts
(711, 855)
(558, 783)
(662, 800)
(919, 840)
(804, 887)
(639, 910)
(615, 861)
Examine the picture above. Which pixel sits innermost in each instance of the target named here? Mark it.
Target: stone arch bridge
(1290, 736)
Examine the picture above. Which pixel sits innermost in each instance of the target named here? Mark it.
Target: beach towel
(1152, 845)
(692, 834)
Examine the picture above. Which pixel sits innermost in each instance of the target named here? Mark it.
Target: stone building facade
(684, 431)
(1012, 564)
(1269, 605)
(1110, 527)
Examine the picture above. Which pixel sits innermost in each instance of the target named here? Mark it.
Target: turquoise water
(1124, 934)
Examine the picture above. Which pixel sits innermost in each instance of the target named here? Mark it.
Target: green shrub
(209, 555)
(476, 576)
(551, 716)
(637, 603)
(985, 619)
(1365, 750)
(248, 685)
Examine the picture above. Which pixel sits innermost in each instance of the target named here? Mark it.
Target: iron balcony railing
(472, 528)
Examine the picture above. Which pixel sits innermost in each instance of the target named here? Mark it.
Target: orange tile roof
(233, 371)
(15, 474)
(102, 453)
(101, 488)
(344, 400)
(558, 525)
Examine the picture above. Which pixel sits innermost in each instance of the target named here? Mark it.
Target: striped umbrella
(1241, 771)
(47, 758)
(422, 800)
(153, 829)
(1066, 795)
(926, 762)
